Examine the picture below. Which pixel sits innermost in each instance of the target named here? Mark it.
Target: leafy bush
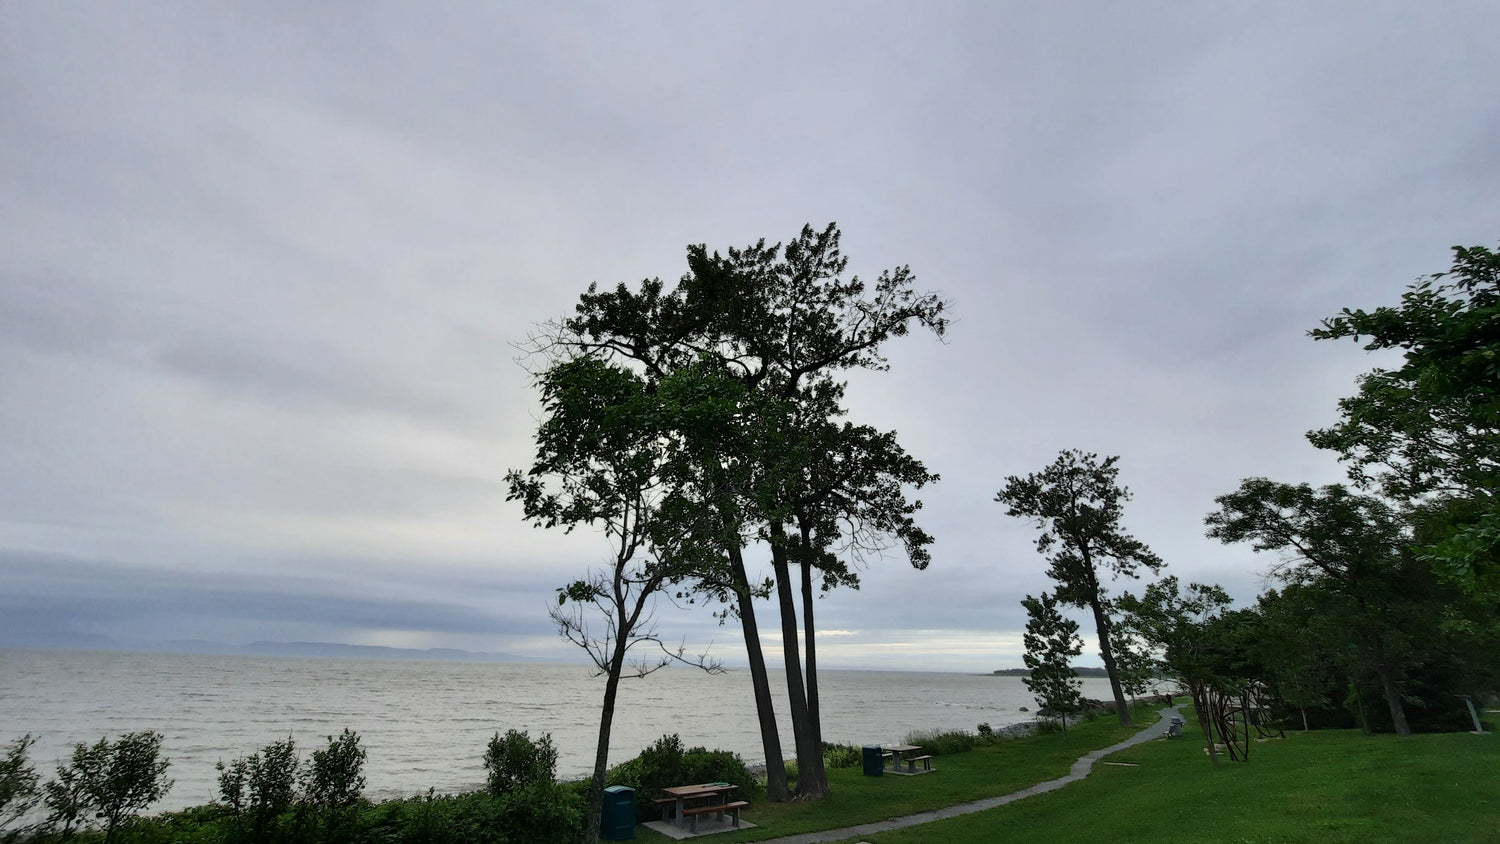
(541, 812)
(842, 756)
(260, 788)
(335, 775)
(270, 776)
(515, 761)
(665, 763)
(110, 781)
(986, 731)
(18, 786)
(944, 744)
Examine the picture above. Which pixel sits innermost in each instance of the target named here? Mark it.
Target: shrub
(986, 731)
(335, 775)
(109, 781)
(542, 812)
(18, 786)
(515, 761)
(944, 744)
(842, 756)
(261, 787)
(665, 763)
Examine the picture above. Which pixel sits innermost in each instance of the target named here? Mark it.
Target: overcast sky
(263, 267)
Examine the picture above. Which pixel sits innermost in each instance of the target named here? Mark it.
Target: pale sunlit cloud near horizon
(266, 274)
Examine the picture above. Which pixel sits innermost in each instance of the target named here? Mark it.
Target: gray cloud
(262, 270)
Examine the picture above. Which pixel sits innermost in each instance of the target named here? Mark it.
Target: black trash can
(617, 820)
(874, 761)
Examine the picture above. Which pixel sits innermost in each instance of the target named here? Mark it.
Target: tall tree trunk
(814, 717)
(1205, 722)
(1106, 653)
(808, 784)
(1392, 700)
(601, 751)
(770, 739)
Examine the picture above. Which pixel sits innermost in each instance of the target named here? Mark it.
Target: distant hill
(1080, 670)
(326, 650)
(329, 649)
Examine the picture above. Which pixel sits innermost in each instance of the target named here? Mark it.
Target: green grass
(984, 772)
(1324, 786)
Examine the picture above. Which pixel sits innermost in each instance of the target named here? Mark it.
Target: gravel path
(1079, 770)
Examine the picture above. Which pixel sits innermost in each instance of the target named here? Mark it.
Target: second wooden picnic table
(716, 793)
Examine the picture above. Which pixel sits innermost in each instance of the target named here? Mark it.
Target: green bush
(842, 756)
(944, 744)
(108, 781)
(18, 787)
(665, 764)
(515, 761)
(259, 789)
(335, 775)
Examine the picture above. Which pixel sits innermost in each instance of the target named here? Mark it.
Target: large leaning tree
(1428, 432)
(782, 323)
(604, 458)
(1078, 502)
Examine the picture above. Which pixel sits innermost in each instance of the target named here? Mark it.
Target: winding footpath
(1079, 770)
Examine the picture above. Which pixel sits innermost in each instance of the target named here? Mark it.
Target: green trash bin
(617, 820)
(874, 761)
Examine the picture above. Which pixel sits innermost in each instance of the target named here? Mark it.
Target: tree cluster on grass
(1077, 502)
(696, 421)
(1389, 593)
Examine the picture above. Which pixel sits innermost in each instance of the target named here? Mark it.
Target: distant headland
(1080, 670)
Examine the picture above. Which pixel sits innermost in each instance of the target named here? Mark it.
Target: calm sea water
(425, 724)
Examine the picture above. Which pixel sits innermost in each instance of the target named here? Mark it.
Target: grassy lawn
(985, 772)
(1327, 786)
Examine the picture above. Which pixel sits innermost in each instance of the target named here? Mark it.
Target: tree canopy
(1078, 503)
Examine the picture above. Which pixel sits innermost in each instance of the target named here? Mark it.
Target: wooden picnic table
(713, 792)
(897, 750)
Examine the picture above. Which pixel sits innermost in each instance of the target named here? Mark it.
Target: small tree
(18, 787)
(1052, 642)
(516, 761)
(112, 781)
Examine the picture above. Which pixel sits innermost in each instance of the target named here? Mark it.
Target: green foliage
(18, 787)
(665, 764)
(1078, 503)
(260, 789)
(108, 781)
(1430, 429)
(263, 784)
(842, 756)
(335, 776)
(1051, 642)
(516, 761)
(944, 743)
